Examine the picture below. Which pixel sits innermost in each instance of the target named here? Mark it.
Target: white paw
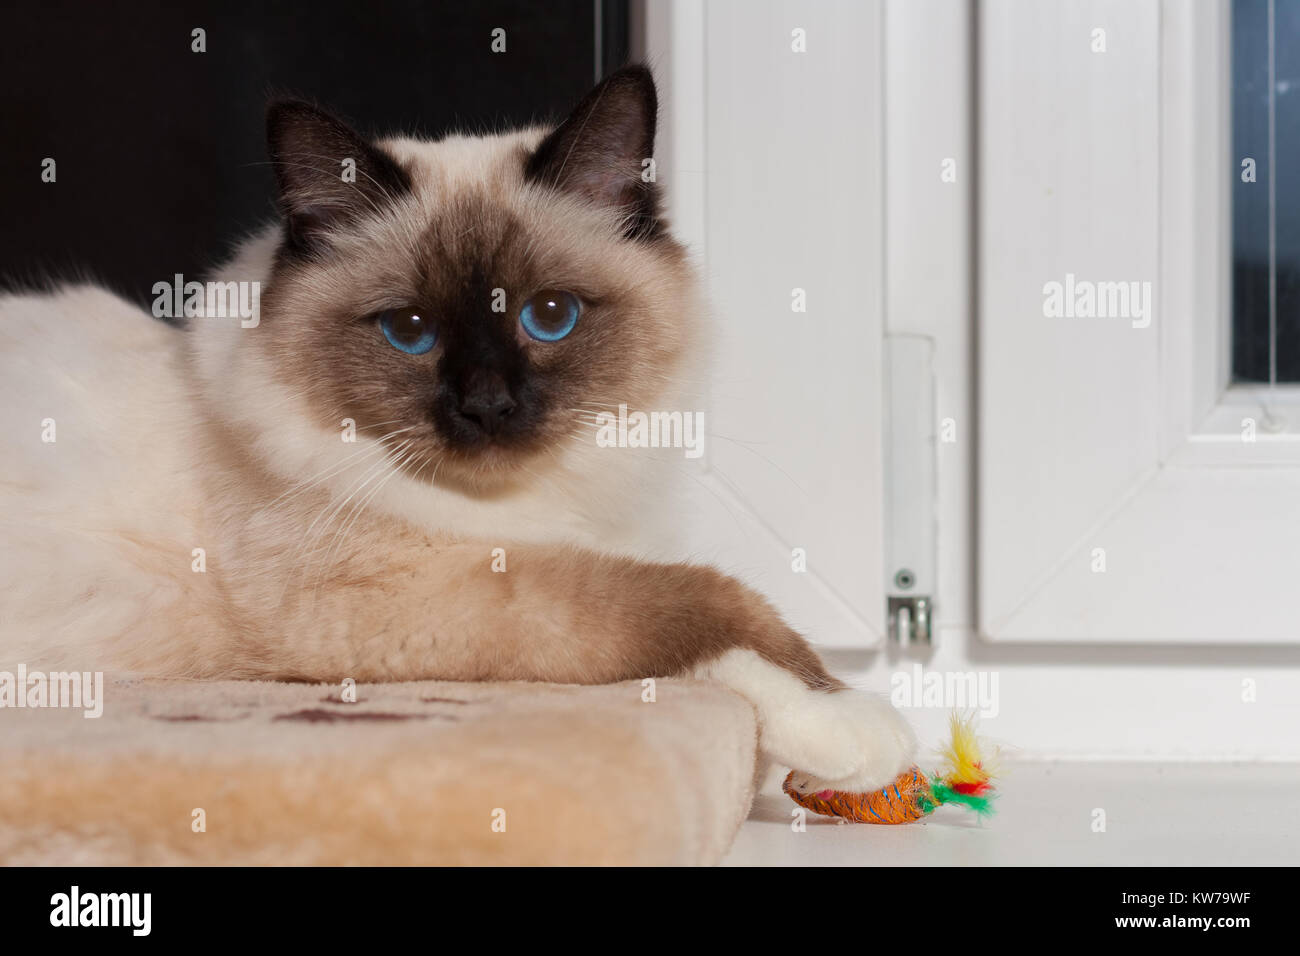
(841, 740)
(836, 740)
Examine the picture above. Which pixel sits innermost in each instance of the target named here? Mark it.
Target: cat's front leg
(632, 619)
(694, 620)
(835, 737)
(565, 615)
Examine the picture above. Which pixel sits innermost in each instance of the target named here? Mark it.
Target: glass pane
(1266, 211)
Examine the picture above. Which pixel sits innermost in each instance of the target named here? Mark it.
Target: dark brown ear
(600, 151)
(327, 174)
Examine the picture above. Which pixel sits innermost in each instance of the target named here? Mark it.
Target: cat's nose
(488, 406)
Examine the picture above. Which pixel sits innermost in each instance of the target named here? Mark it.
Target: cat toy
(964, 781)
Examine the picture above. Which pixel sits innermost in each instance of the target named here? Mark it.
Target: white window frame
(1202, 526)
(1196, 101)
(729, 518)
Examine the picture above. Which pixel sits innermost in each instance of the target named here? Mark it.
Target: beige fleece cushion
(412, 773)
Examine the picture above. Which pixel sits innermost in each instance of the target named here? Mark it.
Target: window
(1266, 192)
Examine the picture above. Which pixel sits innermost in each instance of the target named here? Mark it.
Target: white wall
(1053, 701)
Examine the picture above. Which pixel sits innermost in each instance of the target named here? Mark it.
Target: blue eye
(550, 315)
(408, 331)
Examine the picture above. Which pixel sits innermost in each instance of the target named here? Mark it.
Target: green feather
(943, 793)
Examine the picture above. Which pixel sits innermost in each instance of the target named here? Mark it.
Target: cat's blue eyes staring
(547, 316)
(550, 315)
(408, 330)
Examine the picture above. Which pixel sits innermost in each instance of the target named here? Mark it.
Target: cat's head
(474, 301)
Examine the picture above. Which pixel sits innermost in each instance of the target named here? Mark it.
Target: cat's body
(200, 512)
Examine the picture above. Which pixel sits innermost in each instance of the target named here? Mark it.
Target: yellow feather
(962, 758)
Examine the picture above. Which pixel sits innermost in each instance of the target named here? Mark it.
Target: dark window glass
(1266, 247)
(160, 150)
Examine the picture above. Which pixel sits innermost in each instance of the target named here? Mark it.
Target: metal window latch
(910, 488)
(909, 620)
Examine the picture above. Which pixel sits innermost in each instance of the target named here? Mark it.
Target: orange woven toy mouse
(964, 780)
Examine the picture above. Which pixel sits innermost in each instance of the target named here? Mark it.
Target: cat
(183, 500)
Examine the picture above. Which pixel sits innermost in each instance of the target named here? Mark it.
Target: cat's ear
(327, 174)
(603, 151)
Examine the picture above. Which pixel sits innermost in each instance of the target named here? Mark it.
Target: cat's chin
(489, 471)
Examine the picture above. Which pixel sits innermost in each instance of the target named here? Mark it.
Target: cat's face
(476, 300)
